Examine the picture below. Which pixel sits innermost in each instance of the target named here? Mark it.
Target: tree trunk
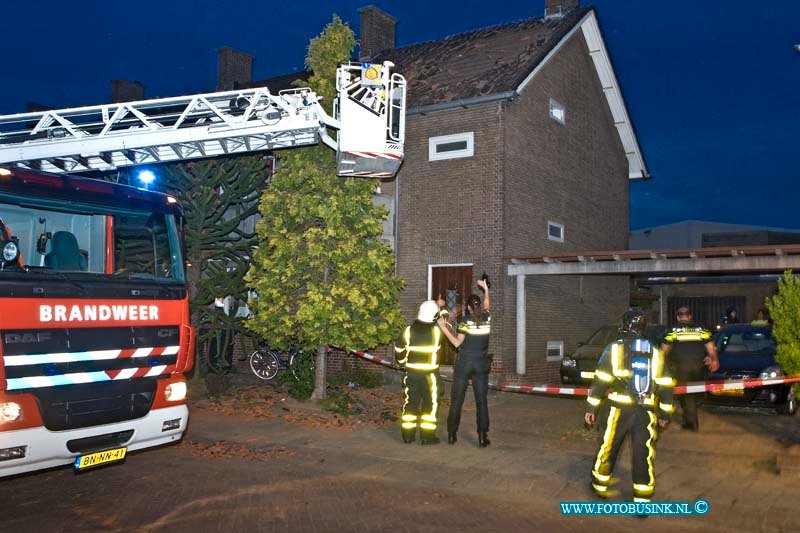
(319, 374)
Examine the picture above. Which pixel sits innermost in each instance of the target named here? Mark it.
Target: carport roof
(724, 259)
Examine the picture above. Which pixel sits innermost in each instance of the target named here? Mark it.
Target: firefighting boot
(483, 439)
(452, 438)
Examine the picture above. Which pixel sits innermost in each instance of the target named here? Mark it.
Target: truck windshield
(81, 241)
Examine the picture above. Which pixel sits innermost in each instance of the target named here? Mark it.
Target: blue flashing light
(146, 177)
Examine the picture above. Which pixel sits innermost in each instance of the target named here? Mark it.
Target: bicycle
(266, 362)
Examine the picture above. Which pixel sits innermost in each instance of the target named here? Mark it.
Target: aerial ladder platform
(366, 128)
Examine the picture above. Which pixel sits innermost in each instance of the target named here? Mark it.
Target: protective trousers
(420, 404)
(690, 402)
(641, 424)
(475, 368)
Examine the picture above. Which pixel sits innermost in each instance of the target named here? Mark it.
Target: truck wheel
(264, 364)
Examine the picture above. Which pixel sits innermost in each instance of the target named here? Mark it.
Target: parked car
(580, 366)
(748, 351)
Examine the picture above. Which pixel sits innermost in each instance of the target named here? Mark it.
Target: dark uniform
(417, 351)
(633, 372)
(687, 362)
(472, 364)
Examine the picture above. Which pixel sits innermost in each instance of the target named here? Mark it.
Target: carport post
(521, 317)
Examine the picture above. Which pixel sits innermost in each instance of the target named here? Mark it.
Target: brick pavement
(368, 480)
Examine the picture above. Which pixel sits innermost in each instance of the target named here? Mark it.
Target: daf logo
(26, 338)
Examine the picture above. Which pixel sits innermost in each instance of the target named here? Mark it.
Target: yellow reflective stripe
(408, 425)
(651, 451)
(644, 489)
(658, 362)
(408, 418)
(636, 499)
(666, 407)
(399, 350)
(427, 425)
(587, 375)
(616, 361)
(621, 398)
(650, 400)
(422, 366)
(608, 437)
(436, 336)
(604, 376)
(600, 477)
(593, 401)
(665, 382)
(430, 348)
(599, 488)
(434, 399)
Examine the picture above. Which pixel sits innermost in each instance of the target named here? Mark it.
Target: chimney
(377, 32)
(126, 91)
(233, 68)
(559, 8)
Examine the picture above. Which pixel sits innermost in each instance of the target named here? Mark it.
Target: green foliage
(217, 195)
(339, 402)
(784, 308)
(359, 377)
(321, 273)
(300, 379)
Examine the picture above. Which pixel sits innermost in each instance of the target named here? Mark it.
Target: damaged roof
(467, 65)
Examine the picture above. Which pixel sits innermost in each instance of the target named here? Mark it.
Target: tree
(784, 307)
(320, 272)
(217, 196)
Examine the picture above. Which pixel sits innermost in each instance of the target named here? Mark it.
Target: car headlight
(568, 362)
(10, 412)
(771, 372)
(175, 392)
(10, 251)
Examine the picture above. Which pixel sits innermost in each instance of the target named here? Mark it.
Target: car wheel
(790, 407)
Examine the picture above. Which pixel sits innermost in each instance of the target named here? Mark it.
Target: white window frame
(469, 151)
(559, 226)
(556, 106)
(555, 345)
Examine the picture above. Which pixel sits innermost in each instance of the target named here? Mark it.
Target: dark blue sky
(713, 86)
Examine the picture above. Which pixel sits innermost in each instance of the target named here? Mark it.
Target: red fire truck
(94, 333)
(94, 318)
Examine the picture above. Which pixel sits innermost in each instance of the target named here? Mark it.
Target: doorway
(453, 283)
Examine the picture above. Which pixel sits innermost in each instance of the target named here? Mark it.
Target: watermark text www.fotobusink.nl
(698, 507)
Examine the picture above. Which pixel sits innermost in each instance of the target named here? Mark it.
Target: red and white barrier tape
(688, 388)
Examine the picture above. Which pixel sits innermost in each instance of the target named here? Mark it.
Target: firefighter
(640, 387)
(690, 349)
(417, 351)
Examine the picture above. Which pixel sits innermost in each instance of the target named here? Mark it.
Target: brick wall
(574, 174)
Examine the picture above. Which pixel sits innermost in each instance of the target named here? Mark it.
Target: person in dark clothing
(633, 371)
(417, 352)
(473, 364)
(731, 316)
(689, 349)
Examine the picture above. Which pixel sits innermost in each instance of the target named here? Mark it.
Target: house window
(557, 112)
(555, 231)
(555, 350)
(451, 146)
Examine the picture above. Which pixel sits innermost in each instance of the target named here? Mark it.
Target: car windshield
(603, 336)
(746, 342)
(80, 241)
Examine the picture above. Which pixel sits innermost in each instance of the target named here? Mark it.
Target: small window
(555, 350)
(557, 112)
(555, 231)
(451, 146)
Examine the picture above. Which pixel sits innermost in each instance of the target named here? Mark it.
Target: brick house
(518, 143)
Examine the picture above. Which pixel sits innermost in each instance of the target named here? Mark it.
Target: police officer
(689, 349)
(634, 373)
(472, 339)
(417, 351)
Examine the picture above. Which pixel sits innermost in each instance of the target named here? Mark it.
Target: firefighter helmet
(634, 321)
(428, 311)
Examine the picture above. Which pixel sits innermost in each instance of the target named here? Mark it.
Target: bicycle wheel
(264, 364)
(296, 357)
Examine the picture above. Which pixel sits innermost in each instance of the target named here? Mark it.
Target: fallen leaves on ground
(374, 407)
(226, 450)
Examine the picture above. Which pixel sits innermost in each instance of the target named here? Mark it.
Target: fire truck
(95, 334)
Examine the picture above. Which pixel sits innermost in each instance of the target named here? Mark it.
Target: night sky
(712, 86)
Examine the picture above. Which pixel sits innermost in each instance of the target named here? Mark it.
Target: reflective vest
(421, 349)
